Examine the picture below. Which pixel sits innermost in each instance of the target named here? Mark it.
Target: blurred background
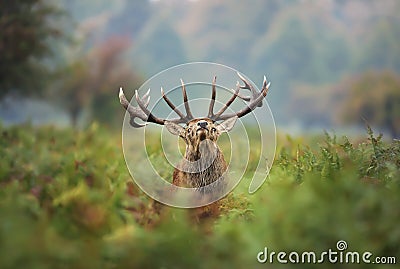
(67, 199)
(332, 64)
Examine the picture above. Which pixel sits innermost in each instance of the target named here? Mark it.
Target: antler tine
(247, 85)
(244, 98)
(171, 105)
(255, 99)
(189, 114)
(143, 107)
(143, 113)
(146, 96)
(134, 112)
(140, 112)
(212, 101)
(230, 101)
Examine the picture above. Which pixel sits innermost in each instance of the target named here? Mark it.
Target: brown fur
(204, 162)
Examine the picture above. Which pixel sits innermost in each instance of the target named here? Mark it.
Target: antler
(141, 112)
(145, 115)
(255, 100)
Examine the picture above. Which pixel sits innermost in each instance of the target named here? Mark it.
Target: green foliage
(67, 201)
(26, 30)
(374, 97)
(372, 161)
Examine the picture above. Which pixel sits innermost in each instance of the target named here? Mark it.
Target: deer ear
(227, 124)
(174, 128)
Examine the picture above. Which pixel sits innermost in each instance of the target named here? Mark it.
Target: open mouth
(202, 132)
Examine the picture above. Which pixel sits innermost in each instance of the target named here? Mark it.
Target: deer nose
(202, 124)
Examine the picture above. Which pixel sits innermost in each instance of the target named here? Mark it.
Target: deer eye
(189, 130)
(213, 129)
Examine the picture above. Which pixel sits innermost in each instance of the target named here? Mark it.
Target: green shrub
(67, 201)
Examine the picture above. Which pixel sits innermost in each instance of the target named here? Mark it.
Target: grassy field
(67, 201)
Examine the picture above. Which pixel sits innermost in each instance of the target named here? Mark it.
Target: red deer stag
(203, 162)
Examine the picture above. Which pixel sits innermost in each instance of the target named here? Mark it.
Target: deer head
(198, 130)
(199, 134)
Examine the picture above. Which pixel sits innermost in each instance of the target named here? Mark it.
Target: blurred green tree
(91, 82)
(374, 96)
(24, 43)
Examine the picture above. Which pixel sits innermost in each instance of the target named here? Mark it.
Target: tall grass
(67, 201)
